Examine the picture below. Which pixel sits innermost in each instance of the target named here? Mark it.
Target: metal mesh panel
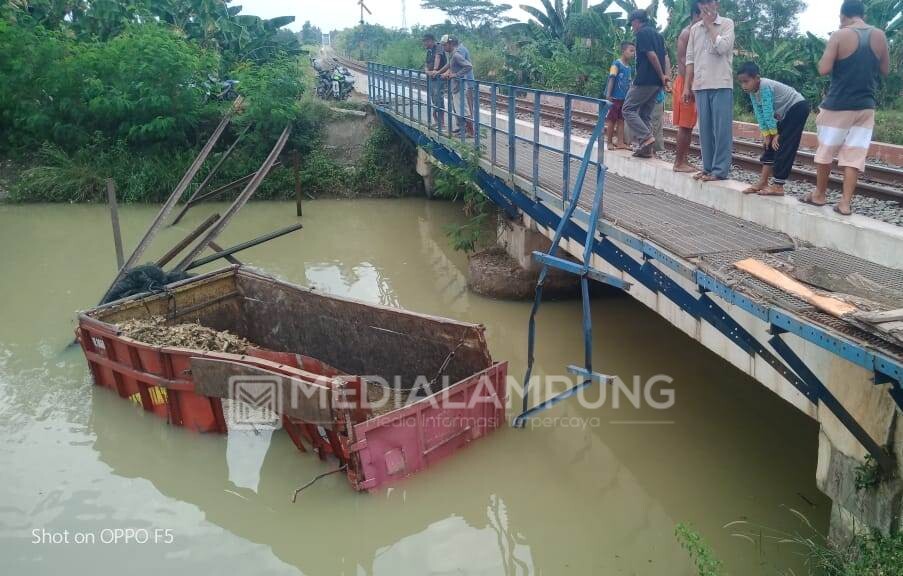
(839, 272)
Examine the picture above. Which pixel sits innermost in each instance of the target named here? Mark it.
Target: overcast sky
(820, 18)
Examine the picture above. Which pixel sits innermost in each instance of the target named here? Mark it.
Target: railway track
(879, 181)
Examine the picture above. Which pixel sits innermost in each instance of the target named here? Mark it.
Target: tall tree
(471, 14)
(310, 34)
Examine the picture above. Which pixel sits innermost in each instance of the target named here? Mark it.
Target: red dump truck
(386, 392)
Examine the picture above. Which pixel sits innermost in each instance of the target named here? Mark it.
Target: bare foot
(684, 168)
(623, 147)
(710, 178)
(772, 190)
(700, 175)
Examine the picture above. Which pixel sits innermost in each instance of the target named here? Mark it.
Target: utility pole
(404, 15)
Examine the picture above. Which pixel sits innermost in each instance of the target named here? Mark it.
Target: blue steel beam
(830, 401)
(580, 270)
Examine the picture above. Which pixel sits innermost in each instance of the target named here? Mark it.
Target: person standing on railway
(710, 82)
(781, 112)
(435, 61)
(652, 75)
(616, 91)
(854, 57)
(684, 115)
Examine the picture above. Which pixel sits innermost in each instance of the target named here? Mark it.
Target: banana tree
(554, 20)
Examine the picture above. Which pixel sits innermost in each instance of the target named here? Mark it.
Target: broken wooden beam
(173, 198)
(239, 202)
(227, 257)
(187, 240)
(200, 189)
(221, 253)
(774, 277)
(226, 187)
(114, 219)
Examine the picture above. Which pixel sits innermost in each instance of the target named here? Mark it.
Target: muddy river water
(585, 490)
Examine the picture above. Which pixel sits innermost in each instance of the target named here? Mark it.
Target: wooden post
(296, 161)
(114, 217)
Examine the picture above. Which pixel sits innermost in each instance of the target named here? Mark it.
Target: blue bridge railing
(527, 132)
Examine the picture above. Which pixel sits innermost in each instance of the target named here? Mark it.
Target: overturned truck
(384, 391)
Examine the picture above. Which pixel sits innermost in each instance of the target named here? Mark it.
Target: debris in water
(158, 332)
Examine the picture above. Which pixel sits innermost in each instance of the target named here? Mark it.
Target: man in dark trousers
(435, 61)
(652, 75)
(854, 57)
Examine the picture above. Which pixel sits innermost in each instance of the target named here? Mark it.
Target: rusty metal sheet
(263, 388)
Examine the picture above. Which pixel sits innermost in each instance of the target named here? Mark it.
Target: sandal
(754, 189)
(808, 199)
(710, 178)
(700, 175)
(841, 212)
(770, 191)
(644, 151)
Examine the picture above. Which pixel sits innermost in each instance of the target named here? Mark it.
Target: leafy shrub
(144, 87)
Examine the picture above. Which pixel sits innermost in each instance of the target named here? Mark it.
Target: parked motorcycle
(335, 84)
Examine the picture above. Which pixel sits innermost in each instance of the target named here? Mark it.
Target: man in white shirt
(710, 81)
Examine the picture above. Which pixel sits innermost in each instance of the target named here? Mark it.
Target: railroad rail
(878, 181)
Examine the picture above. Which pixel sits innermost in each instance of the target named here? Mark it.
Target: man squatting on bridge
(652, 75)
(781, 112)
(435, 61)
(854, 57)
(460, 69)
(710, 82)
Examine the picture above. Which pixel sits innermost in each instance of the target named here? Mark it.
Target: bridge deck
(684, 228)
(706, 238)
(715, 240)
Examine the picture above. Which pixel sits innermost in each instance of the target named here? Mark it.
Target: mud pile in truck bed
(157, 331)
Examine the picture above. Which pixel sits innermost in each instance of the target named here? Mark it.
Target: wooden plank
(239, 202)
(880, 317)
(296, 166)
(157, 223)
(227, 253)
(206, 181)
(185, 242)
(764, 272)
(226, 187)
(114, 218)
(227, 257)
(285, 395)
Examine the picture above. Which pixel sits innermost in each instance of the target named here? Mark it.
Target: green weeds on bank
(867, 554)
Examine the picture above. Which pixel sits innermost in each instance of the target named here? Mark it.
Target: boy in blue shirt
(616, 92)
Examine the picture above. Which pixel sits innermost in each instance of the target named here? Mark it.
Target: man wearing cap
(460, 68)
(435, 61)
(652, 77)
